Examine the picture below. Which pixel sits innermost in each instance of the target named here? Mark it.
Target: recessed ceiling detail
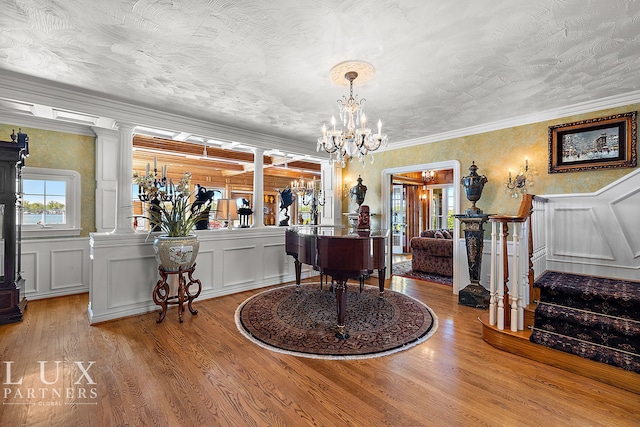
(364, 69)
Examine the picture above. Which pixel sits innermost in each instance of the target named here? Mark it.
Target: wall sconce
(346, 188)
(519, 183)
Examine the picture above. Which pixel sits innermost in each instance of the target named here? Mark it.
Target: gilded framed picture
(601, 143)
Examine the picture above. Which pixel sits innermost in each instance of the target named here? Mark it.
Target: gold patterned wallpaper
(57, 150)
(494, 153)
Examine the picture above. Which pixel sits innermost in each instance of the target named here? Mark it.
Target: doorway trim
(387, 175)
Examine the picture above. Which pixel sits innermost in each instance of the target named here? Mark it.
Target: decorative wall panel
(130, 281)
(581, 236)
(67, 268)
(245, 261)
(626, 211)
(274, 261)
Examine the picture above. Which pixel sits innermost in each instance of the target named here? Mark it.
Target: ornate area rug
(304, 323)
(404, 269)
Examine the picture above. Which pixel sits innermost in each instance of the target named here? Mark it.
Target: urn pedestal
(176, 257)
(474, 294)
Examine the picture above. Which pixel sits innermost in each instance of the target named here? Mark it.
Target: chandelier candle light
(356, 140)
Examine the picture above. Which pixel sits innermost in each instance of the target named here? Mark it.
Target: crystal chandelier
(428, 176)
(356, 140)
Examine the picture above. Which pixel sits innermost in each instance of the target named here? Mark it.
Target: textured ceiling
(264, 65)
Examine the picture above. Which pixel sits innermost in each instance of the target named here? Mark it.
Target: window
(50, 202)
(399, 218)
(442, 206)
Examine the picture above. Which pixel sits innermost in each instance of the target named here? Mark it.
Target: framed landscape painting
(606, 142)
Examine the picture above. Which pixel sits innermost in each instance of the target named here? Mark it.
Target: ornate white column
(124, 220)
(107, 143)
(258, 187)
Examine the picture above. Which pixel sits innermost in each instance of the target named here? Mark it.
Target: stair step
(616, 333)
(588, 350)
(614, 297)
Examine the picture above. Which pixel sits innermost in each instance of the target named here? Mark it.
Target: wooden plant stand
(161, 292)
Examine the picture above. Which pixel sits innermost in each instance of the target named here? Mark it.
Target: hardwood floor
(205, 373)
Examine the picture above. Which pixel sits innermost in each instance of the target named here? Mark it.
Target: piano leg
(298, 267)
(381, 274)
(341, 300)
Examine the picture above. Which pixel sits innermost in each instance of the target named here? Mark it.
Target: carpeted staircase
(595, 318)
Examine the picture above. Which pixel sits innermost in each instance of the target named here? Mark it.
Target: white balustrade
(509, 277)
(493, 282)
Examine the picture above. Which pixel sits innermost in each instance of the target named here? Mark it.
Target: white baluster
(493, 281)
(524, 273)
(514, 278)
(500, 313)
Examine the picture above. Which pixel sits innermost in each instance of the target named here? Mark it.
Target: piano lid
(336, 231)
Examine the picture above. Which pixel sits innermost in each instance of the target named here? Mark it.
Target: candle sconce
(164, 190)
(315, 196)
(516, 185)
(161, 183)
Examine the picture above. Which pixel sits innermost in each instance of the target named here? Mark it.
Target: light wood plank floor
(205, 373)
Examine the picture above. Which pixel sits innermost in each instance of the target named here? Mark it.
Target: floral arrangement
(171, 208)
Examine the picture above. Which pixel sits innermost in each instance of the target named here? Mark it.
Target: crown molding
(19, 87)
(25, 120)
(541, 116)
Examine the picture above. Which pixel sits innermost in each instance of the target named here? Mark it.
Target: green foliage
(34, 208)
(53, 205)
(175, 213)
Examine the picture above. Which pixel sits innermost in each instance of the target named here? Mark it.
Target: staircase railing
(507, 293)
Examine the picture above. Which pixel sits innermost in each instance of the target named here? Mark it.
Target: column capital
(124, 127)
(104, 133)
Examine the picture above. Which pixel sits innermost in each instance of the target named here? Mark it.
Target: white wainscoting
(124, 271)
(55, 267)
(596, 233)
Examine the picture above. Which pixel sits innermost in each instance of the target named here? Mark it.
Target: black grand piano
(340, 253)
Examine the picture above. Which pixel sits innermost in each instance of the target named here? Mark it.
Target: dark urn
(358, 192)
(473, 185)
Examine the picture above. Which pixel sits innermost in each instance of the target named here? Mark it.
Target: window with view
(44, 202)
(51, 202)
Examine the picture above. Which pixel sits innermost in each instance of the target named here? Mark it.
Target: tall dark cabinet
(12, 155)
